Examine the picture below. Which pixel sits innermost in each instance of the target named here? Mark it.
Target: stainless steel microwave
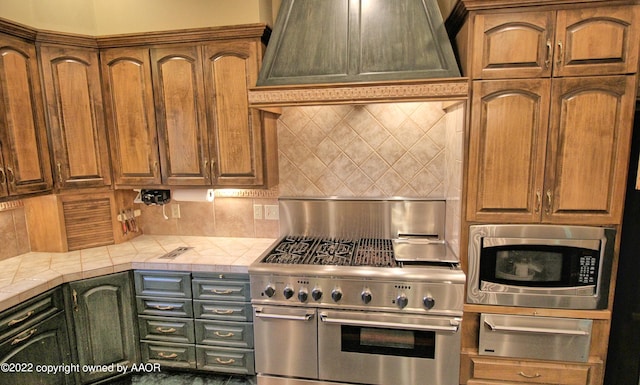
(551, 266)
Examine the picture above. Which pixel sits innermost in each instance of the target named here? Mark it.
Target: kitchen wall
(231, 214)
(110, 17)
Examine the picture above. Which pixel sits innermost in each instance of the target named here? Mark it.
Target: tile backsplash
(374, 150)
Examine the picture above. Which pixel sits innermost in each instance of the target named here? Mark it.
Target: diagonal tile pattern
(389, 149)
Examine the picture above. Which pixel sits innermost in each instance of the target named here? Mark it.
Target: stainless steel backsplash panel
(362, 218)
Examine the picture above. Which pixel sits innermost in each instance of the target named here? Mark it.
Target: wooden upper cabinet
(181, 116)
(571, 42)
(589, 144)
(513, 45)
(230, 68)
(130, 114)
(597, 41)
(566, 163)
(25, 165)
(507, 149)
(73, 94)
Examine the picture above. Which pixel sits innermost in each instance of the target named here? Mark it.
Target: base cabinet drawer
(221, 290)
(233, 334)
(166, 329)
(223, 310)
(163, 284)
(166, 307)
(229, 360)
(169, 354)
(527, 372)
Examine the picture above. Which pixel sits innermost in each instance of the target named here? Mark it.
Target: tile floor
(178, 378)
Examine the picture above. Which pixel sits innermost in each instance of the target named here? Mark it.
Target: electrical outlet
(175, 211)
(271, 212)
(257, 211)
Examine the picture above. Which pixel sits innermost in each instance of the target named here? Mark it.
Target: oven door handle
(305, 317)
(524, 329)
(455, 325)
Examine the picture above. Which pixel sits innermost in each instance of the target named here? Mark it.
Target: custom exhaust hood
(357, 51)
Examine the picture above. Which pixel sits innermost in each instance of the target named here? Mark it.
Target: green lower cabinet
(199, 321)
(38, 354)
(103, 321)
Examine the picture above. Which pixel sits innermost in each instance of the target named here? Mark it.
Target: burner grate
(301, 250)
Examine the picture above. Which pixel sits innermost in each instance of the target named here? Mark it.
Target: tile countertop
(27, 275)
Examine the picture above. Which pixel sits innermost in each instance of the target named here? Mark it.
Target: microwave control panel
(588, 270)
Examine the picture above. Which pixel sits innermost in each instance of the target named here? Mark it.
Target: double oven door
(355, 347)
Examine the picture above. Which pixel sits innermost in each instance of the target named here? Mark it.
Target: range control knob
(270, 290)
(303, 294)
(316, 294)
(336, 294)
(429, 302)
(402, 301)
(366, 296)
(288, 292)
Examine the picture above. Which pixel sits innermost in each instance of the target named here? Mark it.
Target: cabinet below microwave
(548, 266)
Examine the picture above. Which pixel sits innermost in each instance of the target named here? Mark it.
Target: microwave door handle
(524, 329)
(434, 328)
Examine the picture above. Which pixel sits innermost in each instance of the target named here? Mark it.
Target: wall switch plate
(271, 212)
(257, 211)
(175, 210)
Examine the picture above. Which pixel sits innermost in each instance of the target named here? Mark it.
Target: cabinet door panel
(182, 127)
(76, 116)
(506, 154)
(513, 45)
(230, 69)
(597, 41)
(129, 106)
(22, 128)
(590, 134)
(104, 323)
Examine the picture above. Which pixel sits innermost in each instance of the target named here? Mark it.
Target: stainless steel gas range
(358, 292)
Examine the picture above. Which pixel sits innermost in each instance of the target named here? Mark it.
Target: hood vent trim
(455, 89)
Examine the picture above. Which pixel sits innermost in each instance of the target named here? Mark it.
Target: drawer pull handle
(164, 355)
(24, 336)
(161, 330)
(18, 320)
(525, 375)
(225, 335)
(218, 291)
(219, 311)
(230, 361)
(160, 307)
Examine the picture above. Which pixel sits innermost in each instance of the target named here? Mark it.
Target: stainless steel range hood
(350, 51)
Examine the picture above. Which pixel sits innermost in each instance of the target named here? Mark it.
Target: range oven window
(539, 265)
(389, 342)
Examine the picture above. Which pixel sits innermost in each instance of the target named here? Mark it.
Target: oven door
(285, 341)
(388, 348)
